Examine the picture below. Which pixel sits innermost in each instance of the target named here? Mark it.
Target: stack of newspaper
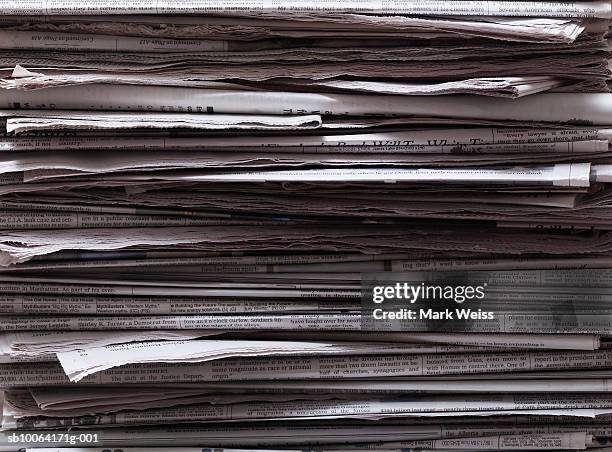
(191, 192)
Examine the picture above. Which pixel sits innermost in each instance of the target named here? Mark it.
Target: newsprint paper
(266, 226)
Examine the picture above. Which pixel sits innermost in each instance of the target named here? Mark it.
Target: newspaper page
(430, 7)
(46, 374)
(432, 140)
(588, 108)
(559, 441)
(78, 364)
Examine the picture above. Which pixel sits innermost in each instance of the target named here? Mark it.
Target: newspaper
(504, 87)
(445, 342)
(512, 87)
(445, 141)
(42, 242)
(589, 108)
(454, 386)
(526, 439)
(545, 442)
(488, 8)
(336, 367)
(20, 404)
(77, 400)
(56, 164)
(57, 41)
(357, 26)
(563, 175)
(25, 346)
(152, 120)
(533, 212)
(242, 264)
(104, 305)
(499, 340)
(256, 208)
(37, 69)
(575, 440)
(571, 441)
(43, 165)
(503, 323)
(79, 364)
(276, 435)
(47, 220)
(358, 409)
(52, 40)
